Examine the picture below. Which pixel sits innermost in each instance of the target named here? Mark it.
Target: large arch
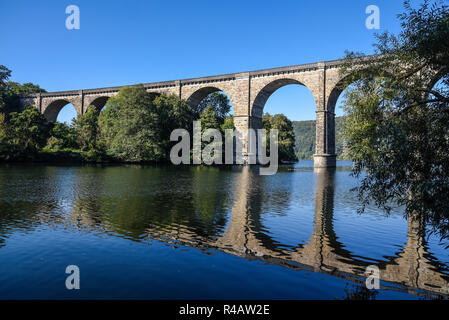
(328, 115)
(342, 82)
(52, 110)
(197, 96)
(264, 94)
(99, 102)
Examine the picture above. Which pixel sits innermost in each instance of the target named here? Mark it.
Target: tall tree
(210, 119)
(10, 92)
(5, 73)
(25, 133)
(218, 101)
(173, 113)
(129, 126)
(62, 136)
(86, 127)
(136, 125)
(228, 124)
(397, 125)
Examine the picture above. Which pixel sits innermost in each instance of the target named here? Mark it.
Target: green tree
(209, 119)
(228, 124)
(173, 113)
(219, 102)
(86, 127)
(286, 136)
(23, 89)
(5, 73)
(396, 125)
(26, 132)
(5, 149)
(10, 92)
(62, 136)
(130, 126)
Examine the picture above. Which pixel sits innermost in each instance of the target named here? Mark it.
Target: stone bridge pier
(247, 91)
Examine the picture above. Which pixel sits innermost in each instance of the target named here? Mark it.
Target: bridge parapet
(248, 92)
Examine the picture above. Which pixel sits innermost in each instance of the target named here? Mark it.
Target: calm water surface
(205, 233)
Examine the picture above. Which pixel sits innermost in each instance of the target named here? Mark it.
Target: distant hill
(305, 139)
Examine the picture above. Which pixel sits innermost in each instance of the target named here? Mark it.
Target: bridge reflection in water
(413, 269)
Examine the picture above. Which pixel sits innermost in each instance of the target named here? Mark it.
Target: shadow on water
(208, 209)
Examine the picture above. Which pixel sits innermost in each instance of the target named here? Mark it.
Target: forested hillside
(305, 139)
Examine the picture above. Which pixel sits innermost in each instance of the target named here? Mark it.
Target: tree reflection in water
(213, 208)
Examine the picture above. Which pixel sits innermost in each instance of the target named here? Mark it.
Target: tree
(26, 132)
(286, 136)
(219, 102)
(62, 136)
(130, 126)
(5, 73)
(86, 127)
(10, 92)
(173, 113)
(397, 125)
(23, 89)
(209, 119)
(228, 124)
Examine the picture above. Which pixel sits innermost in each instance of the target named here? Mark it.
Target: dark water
(206, 233)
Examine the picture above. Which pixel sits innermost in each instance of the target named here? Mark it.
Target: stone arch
(98, 102)
(197, 96)
(335, 93)
(264, 94)
(341, 84)
(53, 108)
(325, 135)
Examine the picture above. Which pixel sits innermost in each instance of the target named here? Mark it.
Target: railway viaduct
(248, 92)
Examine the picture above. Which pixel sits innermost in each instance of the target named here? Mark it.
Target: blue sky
(129, 42)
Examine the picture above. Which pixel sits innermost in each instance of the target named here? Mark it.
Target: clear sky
(129, 42)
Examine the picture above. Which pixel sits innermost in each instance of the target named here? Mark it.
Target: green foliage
(23, 89)
(209, 119)
(86, 127)
(219, 102)
(173, 113)
(5, 73)
(62, 136)
(286, 136)
(396, 126)
(136, 126)
(28, 129)
(10, 92)
(228, 124)
(23, 134)
(61, 156)
(129, 126)
(305, 136)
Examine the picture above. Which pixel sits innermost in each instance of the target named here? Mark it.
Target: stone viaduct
(248, 92)
(412, 268)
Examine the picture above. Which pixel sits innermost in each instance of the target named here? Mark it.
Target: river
(171, 232)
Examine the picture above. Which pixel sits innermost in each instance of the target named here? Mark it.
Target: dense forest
(305, 139)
